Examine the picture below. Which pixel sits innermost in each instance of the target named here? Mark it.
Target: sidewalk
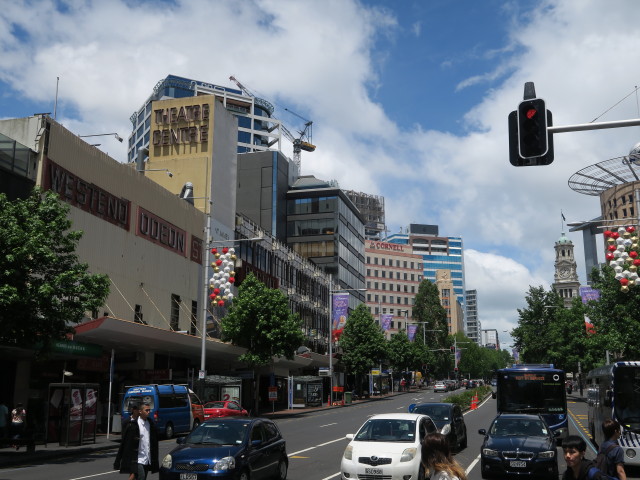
(53, 451)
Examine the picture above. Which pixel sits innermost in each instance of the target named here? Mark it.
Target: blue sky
(409, 100)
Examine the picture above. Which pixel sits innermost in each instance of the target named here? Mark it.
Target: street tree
(615, 317)
(44, 289)
(260, 321)
(433, 328)
(404, 355)
(362, 344)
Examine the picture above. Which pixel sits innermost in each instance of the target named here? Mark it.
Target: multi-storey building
(393, 278)
(566, 281)
(473, 325)
(490, 338)
(438, 253)
(372, 209)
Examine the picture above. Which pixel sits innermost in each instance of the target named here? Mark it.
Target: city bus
(539, 389)
(613, 391)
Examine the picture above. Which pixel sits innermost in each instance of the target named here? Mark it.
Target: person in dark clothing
(138, 452)
(578, 467)
(613, 451)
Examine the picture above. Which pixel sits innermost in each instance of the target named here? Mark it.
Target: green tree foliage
(547, 332)
(260, 321)
(404, 355)
(44, 289)
(615, 317)
(477, 361)
(362, 342)
(428, 309)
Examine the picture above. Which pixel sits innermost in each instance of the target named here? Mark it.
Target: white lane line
(95, 475)
(328, 424)
(400, 408)
(319, 445)
(332, 476)
(473, 464)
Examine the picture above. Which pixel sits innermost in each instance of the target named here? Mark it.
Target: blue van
(174, 408)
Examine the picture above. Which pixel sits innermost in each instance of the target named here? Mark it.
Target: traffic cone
(474, 402)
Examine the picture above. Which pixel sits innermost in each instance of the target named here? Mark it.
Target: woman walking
(437, 459)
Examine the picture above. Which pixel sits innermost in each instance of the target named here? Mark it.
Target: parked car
(471, 384)
(230, 448)
(224, 408)
(387, 446)
(440, 387)
(520, 445)
(448, 419)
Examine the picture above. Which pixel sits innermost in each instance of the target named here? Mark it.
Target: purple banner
(340, 310)
(385, 321)
(588, 293)
(411, 332)
(516, 354)
(458, 356)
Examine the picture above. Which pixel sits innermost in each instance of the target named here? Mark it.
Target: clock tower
(566, 281)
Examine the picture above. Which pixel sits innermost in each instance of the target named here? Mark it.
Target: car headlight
(489, 452)
(547, 454)
(167, 461)
(348, 452)
(408, 454)
(224, 464)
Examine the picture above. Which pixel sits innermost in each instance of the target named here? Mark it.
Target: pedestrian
(578, 467)
(613, 452)
(4, 417)
(138, 452)
(18, 419)
(438, 461)
(403, 383)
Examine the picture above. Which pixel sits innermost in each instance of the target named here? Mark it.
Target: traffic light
(452, 348)
(529, 142)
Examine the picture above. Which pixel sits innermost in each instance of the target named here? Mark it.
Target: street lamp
(156, 170)
(203, 327)
(331, 292)
(118, 137)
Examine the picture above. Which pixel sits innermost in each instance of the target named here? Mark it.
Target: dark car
(519, 445)
(233, 448)
(448, 419)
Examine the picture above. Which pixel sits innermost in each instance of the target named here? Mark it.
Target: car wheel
(168, 431)
(244, 475)
(282, 469)
(196, 422)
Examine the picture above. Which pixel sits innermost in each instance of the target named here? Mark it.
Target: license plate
(188, 476)
(373, 471)
(518, 464)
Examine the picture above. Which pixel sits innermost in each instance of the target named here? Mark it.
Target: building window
(137, 314)
(194, 317)
(382, 260)
(384, 274)
(375, 260)
(384, 286)
(175, 312)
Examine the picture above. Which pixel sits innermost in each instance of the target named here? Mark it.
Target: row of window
(399, 287)
(614, 215)
(399, 275)
(392, 299)
(301, 206)
(398, 263)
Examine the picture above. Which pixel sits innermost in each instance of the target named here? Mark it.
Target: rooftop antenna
(55, 105)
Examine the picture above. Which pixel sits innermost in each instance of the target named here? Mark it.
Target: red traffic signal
(452, 348)
(532, 128)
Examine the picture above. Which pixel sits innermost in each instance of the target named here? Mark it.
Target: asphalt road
(315, 442)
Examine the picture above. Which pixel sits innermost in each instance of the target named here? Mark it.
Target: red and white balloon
(223, 276)
(623, 256)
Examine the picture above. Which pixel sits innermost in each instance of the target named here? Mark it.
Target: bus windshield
(626, 382)
(531, 391)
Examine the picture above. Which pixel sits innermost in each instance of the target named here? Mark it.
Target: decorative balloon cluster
(223, 276)
(622, 255)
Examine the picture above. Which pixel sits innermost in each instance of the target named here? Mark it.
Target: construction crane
(302, 142)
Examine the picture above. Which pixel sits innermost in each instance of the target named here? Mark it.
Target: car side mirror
(256, 443)
(446, 429)
(349, 436)
(411, 407)
(482, 431)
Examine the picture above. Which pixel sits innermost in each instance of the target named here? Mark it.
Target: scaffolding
(372, 209)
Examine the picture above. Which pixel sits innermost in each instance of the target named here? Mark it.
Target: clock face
(563, 272)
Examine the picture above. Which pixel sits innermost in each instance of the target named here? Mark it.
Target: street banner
(340, 310)
(458, 356)
(589, 293)
(516, 354)
(385, 321)
(411, 332)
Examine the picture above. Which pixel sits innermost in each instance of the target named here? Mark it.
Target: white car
(440, 387)
(387, 446)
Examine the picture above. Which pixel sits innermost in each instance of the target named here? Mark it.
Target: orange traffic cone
(474, 402)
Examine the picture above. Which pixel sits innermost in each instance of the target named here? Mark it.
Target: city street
(315, 442)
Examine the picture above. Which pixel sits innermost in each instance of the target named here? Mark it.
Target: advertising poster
(75, 416)
(411, 332)
(340, 310)
(90, 415)
(589, 293)
(385, 321)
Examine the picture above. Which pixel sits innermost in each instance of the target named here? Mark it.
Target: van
(174, 408)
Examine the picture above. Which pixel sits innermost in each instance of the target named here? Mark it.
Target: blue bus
(539, 389)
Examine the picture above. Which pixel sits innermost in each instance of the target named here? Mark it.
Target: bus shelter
(72, 413)
(220, 387)
(306, 391)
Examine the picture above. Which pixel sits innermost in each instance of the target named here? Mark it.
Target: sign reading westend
(86, 196)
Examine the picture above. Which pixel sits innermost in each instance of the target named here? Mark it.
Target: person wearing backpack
(578, 467)
(610, 459)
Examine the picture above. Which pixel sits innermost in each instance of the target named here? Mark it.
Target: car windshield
(387, 430)
(218, 433)
(436, 412)
(518, 427)
(214, 405)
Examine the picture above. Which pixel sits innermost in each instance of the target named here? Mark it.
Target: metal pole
(594, 126)
(205, 299)
(330, 340)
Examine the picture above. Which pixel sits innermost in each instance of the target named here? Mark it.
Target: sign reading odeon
(161, 232)
(180, 122)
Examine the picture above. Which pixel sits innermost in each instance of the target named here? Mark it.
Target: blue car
(229, 448)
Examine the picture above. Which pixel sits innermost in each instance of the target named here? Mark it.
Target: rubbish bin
(347, 398)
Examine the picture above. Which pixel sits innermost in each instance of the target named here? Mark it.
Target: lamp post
(331, 292)
(201, 373)
(156, 170)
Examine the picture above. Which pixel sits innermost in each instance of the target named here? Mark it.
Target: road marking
(328, 424)
(95, 475)
(332, 476)
(471, 465)
(316, 446)
(299, 456)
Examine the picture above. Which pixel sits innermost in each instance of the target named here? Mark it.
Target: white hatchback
(440, 387)
(387, 447)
